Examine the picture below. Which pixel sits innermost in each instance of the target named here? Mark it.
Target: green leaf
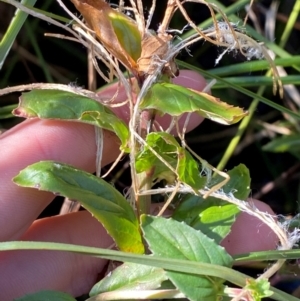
(46, 296)
(101, 199)
(259, 288)
(239, 183)
(176, 156)
(130, 276)
(213, 217)
(249, 93)
(289, 143)
(171, 239)
(55, 104)
(127, 33)
(188, 170)
(176, 100)
(146, 159)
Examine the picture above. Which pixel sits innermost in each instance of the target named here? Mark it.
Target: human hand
(72, 143)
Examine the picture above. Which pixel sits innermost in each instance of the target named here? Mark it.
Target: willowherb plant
(143, 62)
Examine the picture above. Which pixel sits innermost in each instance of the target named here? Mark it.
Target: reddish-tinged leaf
(55, 104)
(118, 33)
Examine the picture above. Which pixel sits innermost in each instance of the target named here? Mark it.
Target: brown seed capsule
(154, 49)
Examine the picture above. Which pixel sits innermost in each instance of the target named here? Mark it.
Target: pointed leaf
(46, 296)
(176, 100)
(239, 183)
(130, 276)
(188, 170)
(55, 104)
(98, 197)
(171, 239)
(118, 33)
(127, 33)
(176, 156)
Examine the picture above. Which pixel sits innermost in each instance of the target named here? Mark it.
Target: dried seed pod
(122, 38)
(154, 50)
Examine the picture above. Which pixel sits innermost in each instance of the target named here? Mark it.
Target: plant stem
(143, 180)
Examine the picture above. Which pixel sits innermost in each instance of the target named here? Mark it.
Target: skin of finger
(31, 271)
(33, 141)
(248, 234)
(36, 140)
